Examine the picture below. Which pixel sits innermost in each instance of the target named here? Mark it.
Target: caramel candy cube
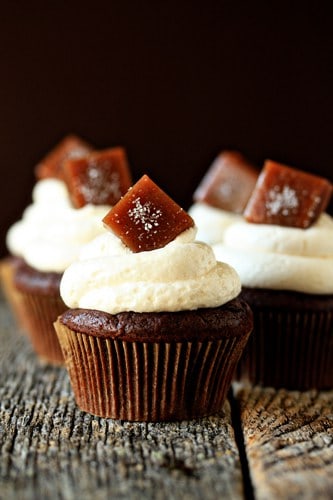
(99, 178)
(70, 147)
(228, 183)
(288, 197)
(146, 218)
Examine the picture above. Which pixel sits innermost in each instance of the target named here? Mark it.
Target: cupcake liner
(8, 268)
(149, 381)
(291, 349)
(40, 311)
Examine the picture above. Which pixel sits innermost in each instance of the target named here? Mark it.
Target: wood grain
(50, 449)
(288, 439)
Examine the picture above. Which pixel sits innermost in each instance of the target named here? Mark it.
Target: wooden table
(264, 444)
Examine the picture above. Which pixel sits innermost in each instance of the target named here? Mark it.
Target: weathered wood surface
(50, 449)
(289, 442)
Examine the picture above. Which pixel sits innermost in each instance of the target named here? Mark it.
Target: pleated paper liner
(149, 381)
(40, 312)
(8, 268)
(290, 348)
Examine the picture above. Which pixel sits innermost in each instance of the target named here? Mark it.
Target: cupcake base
(41, 304)
(153, 366)
(292, 341)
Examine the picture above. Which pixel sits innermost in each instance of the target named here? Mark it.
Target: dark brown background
(173, 82)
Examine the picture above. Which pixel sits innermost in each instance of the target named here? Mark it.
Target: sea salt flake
(225, 190)
(77, 152)
(100, 185)
(281, 201)
(145, 214)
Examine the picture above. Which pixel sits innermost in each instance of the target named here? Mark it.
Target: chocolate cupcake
(153, 366)
(75, 188)
(155, 328)
(41, 303)
(294, 348)
(283, 253)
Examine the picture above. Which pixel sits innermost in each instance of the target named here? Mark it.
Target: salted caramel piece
(99, 178)
(70, 147)
(228, 183)
(146, 218)
(287, 196)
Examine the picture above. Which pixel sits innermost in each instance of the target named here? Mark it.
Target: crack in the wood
(240, 442)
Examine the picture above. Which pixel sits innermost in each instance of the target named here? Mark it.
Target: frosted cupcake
(283, 253)
(65, 214)
(155, 328)
(71, 146)
(222, 194)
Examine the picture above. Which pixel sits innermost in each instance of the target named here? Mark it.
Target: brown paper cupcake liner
(40, 311)
(290, 349)
(149, 381)
(8, 268)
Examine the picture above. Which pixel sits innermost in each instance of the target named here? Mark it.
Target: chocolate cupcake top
(230, 320)
(76, 186)
(287, 243)
(180, 275)
(51, 232)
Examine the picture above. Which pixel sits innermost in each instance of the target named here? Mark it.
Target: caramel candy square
(100, 178)
(146, 218)
(70, 147)
(288, 197)
(228, 183)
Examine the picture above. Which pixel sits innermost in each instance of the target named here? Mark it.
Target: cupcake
(71, 196)
(283, 253)
(222, 194)
(155, 327)
(50, 166)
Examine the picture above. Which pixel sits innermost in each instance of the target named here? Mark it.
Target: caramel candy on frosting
(70, 147)
(228, 183)
(99, 178)
(288, 197)
(146, 218)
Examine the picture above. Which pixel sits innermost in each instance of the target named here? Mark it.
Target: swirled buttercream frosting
(211, 222)
(183, 275)
(284, 258)
(51, 232)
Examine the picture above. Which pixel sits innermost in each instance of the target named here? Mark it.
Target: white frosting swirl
(51, 232)
(183, 275)
(212, 222)
(285, 258)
